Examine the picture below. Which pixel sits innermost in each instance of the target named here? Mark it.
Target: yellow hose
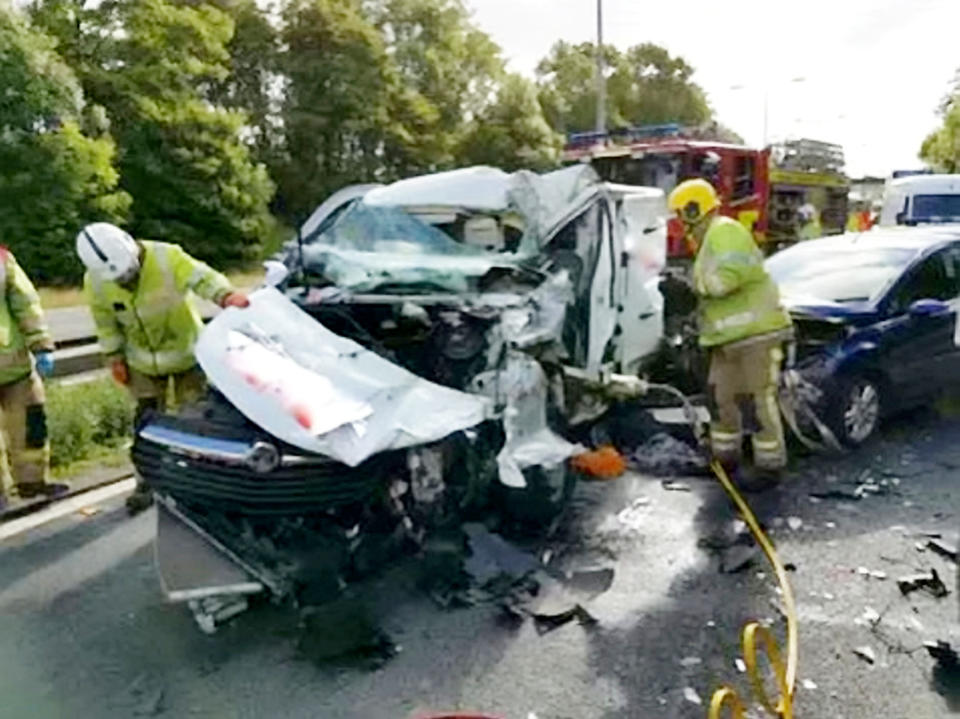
(786, 678)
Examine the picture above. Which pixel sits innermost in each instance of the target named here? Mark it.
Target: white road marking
(65, 507)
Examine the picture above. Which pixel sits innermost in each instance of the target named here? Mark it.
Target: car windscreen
(848, 274)
(387, 230)
(936, 208)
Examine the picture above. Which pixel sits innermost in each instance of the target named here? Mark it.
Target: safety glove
(45, 362)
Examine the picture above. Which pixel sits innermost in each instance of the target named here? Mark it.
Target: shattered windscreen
(368, 247)
(845, 275)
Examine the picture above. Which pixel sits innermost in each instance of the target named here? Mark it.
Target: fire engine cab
(762, 189)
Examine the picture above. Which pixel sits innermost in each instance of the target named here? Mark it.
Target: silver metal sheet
(191, 567)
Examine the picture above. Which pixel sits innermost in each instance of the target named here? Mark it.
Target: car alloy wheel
(861, 413)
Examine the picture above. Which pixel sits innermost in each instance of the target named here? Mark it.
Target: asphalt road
(83, 630)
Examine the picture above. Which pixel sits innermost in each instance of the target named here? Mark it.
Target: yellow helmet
(692, 200)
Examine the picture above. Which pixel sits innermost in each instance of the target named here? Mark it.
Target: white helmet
(108, 251)
(807, 212)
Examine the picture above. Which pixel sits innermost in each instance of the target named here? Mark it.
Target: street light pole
(601, 80)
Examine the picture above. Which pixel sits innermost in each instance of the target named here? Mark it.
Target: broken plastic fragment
(592, 580)
(603, 463)
(809, 685)
(690, 661)
(929, 582)
(943, 548)
(741, 665)
(944, 654)
(867, 654)
(794, 523)
(548, 622)
(690, 694)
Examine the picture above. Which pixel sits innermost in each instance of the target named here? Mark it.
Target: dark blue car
(876, 321)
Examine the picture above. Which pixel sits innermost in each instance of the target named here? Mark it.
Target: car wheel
(857, 410)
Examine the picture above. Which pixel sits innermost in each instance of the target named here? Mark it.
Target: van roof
(949, 184)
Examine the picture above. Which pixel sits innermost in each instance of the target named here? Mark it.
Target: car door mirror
(928, 308)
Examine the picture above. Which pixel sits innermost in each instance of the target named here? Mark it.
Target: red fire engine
(760, 188)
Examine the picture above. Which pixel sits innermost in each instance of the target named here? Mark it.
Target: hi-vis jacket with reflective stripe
(738, 299)
(22, 326)
(155, 324)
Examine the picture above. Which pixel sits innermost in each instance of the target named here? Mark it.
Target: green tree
(54, 178)
(941, 148)
(645, 85)
(252, 81)
(338, 87)
(649, 86)
(447, 73)
(567, 87)
(512, 133)
(152, 64)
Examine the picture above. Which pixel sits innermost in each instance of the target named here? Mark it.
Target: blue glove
(44, 362)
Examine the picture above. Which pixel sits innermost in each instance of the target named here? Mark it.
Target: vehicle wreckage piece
(413, 349)
(522, 387)
(370, 404)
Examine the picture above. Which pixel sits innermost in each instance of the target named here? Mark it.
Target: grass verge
(89, 422)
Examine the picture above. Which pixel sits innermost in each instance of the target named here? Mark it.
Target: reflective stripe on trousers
(747, 372)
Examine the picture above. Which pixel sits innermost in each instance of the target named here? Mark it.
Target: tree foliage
(512, 132)
(150, 63)
(645, 85)
(446, 71)
(334, 110)
(203, 98)
(54, 177)
(941, 148)
(253, 74)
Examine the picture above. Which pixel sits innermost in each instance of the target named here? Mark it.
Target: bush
(85, 419)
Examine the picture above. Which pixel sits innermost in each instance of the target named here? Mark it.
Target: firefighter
(140, 295)
(23, 331)
(810, 228)
(744, 328)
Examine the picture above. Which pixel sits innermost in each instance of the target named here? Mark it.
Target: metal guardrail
(77, 356)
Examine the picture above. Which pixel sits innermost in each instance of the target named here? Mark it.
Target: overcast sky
(874, 70)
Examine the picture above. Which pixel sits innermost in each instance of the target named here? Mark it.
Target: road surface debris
(929, 582)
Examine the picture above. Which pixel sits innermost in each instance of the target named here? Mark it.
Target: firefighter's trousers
(743, 380)
(160, 392)
(25, 461)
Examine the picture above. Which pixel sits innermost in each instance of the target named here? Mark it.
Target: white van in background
(921, 199)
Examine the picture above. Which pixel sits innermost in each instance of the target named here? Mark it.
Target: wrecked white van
(421, 355)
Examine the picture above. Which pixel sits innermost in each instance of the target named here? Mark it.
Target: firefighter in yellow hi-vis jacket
(23, 332)
(141, 298)
(744, 326)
